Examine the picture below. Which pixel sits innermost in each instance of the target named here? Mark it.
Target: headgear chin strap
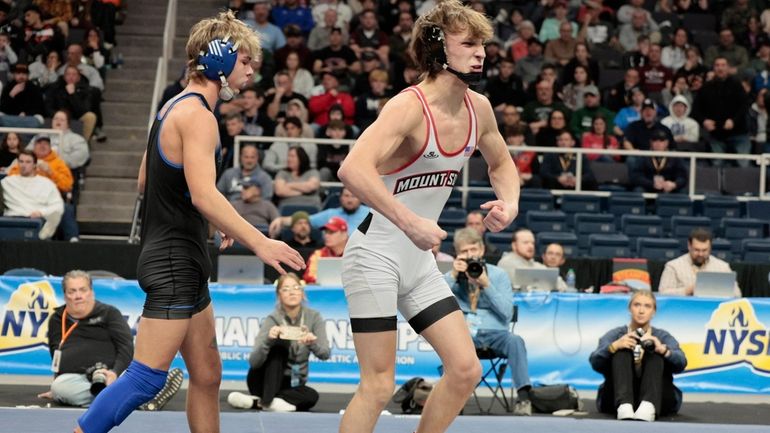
(436, 43)
(218, 63)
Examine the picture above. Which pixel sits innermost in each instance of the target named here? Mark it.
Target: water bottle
(571, 281)
(295, 375)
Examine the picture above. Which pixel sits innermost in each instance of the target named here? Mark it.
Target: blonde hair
(646, 293)
(451, 17)
(223, 25)
(285, 277)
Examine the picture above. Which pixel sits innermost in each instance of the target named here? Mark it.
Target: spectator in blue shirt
(487, 303)
(291, 12)
(270, 35)
(351, 210)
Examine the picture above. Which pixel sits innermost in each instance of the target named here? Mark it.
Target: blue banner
(726, 341)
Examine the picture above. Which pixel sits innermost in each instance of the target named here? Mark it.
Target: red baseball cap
(336, 224)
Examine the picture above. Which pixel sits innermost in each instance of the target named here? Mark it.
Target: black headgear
(435, 43)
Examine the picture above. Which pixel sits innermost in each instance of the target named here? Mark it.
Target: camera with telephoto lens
(97, 378)
(476, 267)
(647, 345)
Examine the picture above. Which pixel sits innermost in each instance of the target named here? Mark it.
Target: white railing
(693, 157)
(161, 69)
(33, 131)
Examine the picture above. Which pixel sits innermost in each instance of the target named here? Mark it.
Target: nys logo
(24, 320)
(733, 336)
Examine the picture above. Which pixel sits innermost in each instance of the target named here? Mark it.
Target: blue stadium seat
(756, 251)
(332, 200)
(626, 203)
(452, 218)
(590, 223)
(759, 209)
(476, 198)
(641, 225)
(669, 205)
(722, 249)
(17, 228)
(546, 221)
(609, 246)
(535, 200)
(289, 209)
(501, 240)
(658, 249)
(736, 229)
(566, 239)
(455, 198)
(717, 207)
(681, 226)
(572, 204)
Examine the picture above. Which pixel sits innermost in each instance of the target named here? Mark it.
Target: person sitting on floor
(278, 365)
(638, 363)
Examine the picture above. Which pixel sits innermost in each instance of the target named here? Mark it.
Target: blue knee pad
(137, 385)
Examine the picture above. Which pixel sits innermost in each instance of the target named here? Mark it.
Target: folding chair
(495, 373)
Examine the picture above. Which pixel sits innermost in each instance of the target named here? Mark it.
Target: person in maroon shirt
(654, 76)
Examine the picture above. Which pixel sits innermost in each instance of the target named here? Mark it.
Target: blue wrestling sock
(138, 384)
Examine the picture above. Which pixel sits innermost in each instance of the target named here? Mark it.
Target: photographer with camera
(638, 363)
(91, 344)
(483, 292)
(278, 365)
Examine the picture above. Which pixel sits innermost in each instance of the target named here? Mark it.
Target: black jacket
(29, 101)
(78, 103)
(102, 336)
(720, 100)
(643, 172)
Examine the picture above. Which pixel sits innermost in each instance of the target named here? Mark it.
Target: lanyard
(65, 333)
(565, 162)
(473, 295)
(658, 164)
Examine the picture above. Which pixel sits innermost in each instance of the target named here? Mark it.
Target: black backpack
(550, 398)
(412, 395)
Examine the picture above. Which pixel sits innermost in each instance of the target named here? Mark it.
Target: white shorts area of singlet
(382, 274)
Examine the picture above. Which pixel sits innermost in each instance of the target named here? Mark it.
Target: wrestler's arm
(502, 171)
(199, 139)
(378, 143)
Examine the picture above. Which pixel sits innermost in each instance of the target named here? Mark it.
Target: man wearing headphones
(178, 176)
(402, 171)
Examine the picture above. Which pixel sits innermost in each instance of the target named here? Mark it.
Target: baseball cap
(249, 181)
(648, 104)
(368, 55)
(658, 135)
(336, 224)
(591, 90)
(299, 215)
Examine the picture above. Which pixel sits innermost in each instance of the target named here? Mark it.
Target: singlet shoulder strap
(180, 98)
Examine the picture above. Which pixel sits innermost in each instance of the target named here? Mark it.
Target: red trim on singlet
(467, 138)
(425, 114)
(476, 119)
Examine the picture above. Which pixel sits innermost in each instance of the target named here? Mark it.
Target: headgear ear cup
(434, 41)
(218, 62)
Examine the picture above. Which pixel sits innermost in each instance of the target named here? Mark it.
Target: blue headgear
(218, 63)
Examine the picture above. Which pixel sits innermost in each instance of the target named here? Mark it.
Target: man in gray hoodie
(683, 128)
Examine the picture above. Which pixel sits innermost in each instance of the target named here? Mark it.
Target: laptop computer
(239, 269)
(715, 284)
(329, 272)
(444, 267)
(536, 279)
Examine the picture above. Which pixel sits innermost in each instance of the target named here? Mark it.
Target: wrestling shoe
(625, 411)
(280, 405)
(645, 411)
(173, 383)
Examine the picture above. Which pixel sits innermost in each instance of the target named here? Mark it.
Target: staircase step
(142, 41)
(106, 198)
(134, 50)
(119, 185)
(132, 74)
(114, 171)
(125, 113)
(117, 94)
(118, 143)
(105, 213)
(126, 132)
(140, 28)
(115, 158)
(128, 86)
